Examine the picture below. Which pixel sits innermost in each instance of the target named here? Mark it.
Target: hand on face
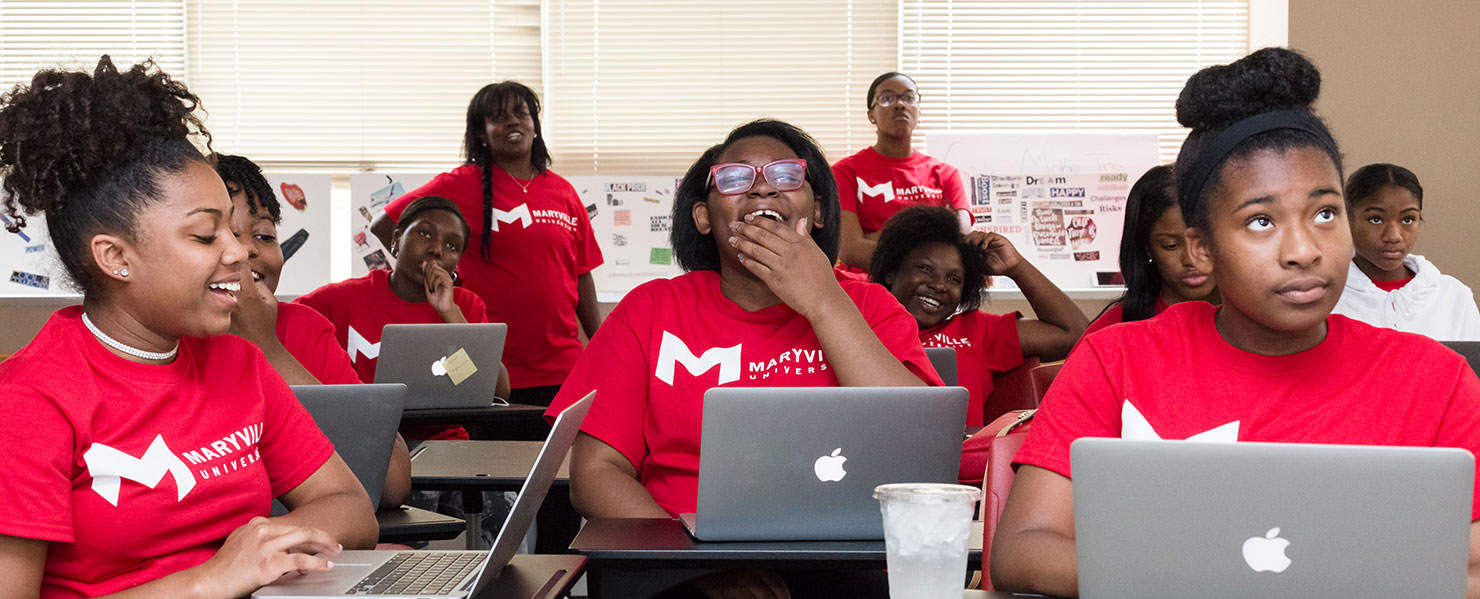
(785, 259)
(255, 315)
(439, 284)
(1002, 257)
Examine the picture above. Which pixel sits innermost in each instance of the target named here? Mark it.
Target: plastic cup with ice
(926, 529)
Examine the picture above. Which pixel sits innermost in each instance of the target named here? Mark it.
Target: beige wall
(1401, 84)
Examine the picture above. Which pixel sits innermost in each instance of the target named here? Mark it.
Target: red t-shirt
(310, 338)
(1391, 286)
(1174, 377)
(875, 186)
(670, 340)
(541, 241)
(1115, 314)
(985, 343)
(359, 308)
(135, 471)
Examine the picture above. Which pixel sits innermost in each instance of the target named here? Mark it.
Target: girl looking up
(1259, 183)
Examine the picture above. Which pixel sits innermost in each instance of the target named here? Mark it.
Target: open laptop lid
(787, 463)
(361, 422)
(944, 361)
(532, 494)
(1183, 519)
(443, 365)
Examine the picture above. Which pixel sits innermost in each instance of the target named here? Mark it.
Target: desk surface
(406, 524)
(536, 577)
(477, 465)
(663, 542)
(478, 415)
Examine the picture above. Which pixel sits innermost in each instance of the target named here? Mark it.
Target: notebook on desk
(443, 365)
(783, 464)
(1187, 519)
(441, 574)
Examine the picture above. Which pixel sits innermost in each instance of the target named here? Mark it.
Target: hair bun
(67, 129)
(1267, 80)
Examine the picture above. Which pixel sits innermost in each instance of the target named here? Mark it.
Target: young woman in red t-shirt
(427, 245)
(1259, 183)
(1154, 260)
(145, 445)
(297, 341)
(882, 179)
(533, 245)
(925, 261)
(755, 224)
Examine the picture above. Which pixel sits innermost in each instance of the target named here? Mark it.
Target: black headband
(1190, 184)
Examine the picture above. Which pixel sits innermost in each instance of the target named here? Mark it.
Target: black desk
(473, 467)
(624, 551)
(514, 421)
(406, 524)
(536, 577)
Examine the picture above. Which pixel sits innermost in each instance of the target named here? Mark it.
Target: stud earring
(123, 273)
(115, 272)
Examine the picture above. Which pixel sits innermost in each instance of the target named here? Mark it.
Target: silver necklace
(130, 350)
(522, 186)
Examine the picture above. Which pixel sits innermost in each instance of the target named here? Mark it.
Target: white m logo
(359, 346)
(519, 214)
(108, 467)
(674, 351)
(885, 189)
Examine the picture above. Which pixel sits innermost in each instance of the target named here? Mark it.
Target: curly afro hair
(919, 226)
(87, 150)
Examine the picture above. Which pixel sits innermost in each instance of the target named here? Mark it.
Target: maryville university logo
(672, 351)
(108, 467)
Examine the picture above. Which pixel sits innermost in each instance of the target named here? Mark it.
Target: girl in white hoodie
(1386, 286)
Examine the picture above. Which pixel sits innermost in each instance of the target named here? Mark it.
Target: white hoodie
(1432, 304)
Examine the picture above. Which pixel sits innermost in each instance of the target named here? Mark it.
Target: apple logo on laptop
(829, 468)
(439, 367)
(1267, 553)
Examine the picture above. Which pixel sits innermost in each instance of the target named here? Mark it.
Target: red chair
(1041, 377)
(996, 482)
(1011, 390)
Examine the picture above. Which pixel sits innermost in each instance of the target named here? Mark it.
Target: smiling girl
(1386, 286)
(143, 373)
(934, 271)
(1259, 183)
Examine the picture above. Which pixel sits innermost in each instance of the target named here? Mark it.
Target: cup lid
(926, 492)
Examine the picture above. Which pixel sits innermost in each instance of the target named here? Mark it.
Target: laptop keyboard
(420, 573)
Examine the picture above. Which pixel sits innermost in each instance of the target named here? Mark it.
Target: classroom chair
(1042, 377)
(1011, 390)
(996, 482)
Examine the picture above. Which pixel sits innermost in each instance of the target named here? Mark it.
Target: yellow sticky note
(459, 366)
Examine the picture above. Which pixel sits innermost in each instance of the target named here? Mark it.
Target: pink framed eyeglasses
(736, 178)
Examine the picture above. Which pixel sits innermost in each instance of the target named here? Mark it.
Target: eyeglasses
(737, 178)
(907, 98)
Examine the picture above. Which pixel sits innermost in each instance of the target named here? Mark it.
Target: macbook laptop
(441, 574)
(1178, 519)
(361, 421)
(944, 361)
(780, 463)
(443, 365)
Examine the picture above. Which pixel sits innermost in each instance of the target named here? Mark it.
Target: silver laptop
(443, 365)
(455, 574)
(780, 463)
(944, 361)
(361, 422)
(1186, 519)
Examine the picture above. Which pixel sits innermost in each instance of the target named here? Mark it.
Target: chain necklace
(522, 186)
(128, 349)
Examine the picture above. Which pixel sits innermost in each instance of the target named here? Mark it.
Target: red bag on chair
(975, 451)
